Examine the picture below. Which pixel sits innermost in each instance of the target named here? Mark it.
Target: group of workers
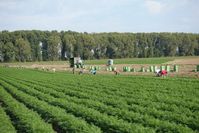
(158, 72)
(94, 72)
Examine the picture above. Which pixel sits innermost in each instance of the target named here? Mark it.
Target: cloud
(154, 6)
(100, 15)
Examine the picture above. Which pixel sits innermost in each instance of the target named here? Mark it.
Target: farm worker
(73, 70)
(158, 72)
(116, 72)
(54, 69)
(163, 73)
(93, 72)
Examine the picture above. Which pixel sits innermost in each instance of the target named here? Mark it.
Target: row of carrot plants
(61, 121)
(153, 105)
(105, 122)
(172, 109)
(144, 96)
(26, 120)
(121, 113)
(135, 99)
(5, 122)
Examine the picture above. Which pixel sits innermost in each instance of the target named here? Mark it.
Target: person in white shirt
(158, 72)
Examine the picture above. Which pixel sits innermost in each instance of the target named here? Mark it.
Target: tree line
(37, 45)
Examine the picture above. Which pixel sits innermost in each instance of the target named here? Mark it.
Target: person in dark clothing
(94, 72)
(73, 70)
(116, 72)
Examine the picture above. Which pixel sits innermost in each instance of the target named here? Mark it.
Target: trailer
(76, 62)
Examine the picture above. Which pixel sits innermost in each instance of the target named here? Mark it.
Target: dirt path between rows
(187, 68)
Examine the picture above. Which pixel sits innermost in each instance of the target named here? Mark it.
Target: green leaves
(59, 45)
(5, 124)
(65, 122)
(105, 103)
(23, 50)
(28, 120)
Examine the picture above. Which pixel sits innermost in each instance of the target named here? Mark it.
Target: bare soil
(187, 68)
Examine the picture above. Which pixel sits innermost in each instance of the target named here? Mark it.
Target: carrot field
(34, 101)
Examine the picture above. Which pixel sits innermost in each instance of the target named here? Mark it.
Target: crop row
(120, 113)
(134, 100)
(27, 120)
(105, 122)
(62, 121)
(112, 86)
(139, 89)
(5, 122)
(176, 102)
(143, 105)
(179, 117)
(167, 103)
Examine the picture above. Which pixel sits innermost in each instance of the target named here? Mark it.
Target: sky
(100, 15)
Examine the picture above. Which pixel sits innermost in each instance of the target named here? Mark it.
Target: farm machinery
(76, 62)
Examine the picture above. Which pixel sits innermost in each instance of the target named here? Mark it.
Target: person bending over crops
(73, 70)
(161, 73)
(93, 72)
(116, 72)
(158, 73)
